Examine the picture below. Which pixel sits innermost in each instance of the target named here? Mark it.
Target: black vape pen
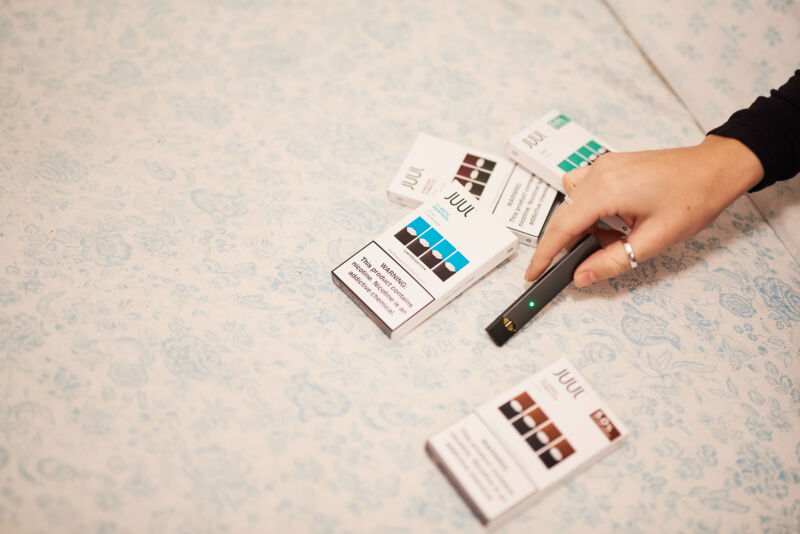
(543, 290)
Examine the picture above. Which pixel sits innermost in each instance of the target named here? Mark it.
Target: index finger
(569, 222)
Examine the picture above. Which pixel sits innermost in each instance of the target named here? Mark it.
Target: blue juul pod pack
(424, 260)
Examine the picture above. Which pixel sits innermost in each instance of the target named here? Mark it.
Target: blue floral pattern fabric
(177, 180)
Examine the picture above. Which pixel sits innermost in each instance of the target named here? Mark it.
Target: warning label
(482, 467)
(383, 285)
(525, 203)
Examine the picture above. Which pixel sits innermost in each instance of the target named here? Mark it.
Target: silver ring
(629, 250)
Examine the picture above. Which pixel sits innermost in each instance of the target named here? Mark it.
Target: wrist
(735, 167)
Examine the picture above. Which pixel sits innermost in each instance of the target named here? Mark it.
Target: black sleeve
(770, 127)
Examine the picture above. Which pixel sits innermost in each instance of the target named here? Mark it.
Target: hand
(665, 196)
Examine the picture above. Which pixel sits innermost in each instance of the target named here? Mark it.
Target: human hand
(665, 196)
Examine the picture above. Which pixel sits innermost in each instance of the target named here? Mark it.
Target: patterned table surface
(178, 178)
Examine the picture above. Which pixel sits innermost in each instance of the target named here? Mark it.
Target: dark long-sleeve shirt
(770, 127)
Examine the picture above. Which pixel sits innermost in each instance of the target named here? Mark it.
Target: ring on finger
(629, 252)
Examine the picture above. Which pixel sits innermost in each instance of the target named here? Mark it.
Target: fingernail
(584, 278)
(528, 273)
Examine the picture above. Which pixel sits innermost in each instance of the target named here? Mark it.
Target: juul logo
(461, 204)
(570, 383)
(536, 429)
(412, 177)
(533, 139)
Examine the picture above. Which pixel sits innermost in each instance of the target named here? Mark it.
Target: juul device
(543, 290)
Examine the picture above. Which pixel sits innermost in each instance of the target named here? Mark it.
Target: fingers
(592, 197)
(574, 241)
(568, 223)
(613, 260)
(571, 179)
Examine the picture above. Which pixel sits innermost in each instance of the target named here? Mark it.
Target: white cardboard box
(424, 260)
(553, 146)
(515, 196)
(512, 450)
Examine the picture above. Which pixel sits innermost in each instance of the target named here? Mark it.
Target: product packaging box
(512, 450)
(513, 195)
(424, 260)
(553, 146)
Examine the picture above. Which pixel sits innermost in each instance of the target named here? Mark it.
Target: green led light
(531, 304)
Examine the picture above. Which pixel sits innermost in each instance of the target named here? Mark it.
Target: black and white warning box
(421, 263)
(512, 450)
(516, 197)
(384, 286)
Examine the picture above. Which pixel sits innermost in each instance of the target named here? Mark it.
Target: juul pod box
(516, 197)
(554, 145)
(512, 450)
(424, 261)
